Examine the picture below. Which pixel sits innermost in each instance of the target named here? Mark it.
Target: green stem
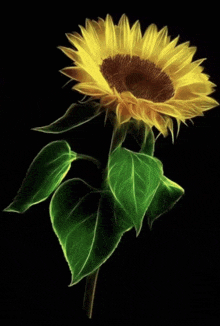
(89, 294)
(90, 158)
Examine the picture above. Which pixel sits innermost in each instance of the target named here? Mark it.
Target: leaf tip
(11, 209)
(37, 129)
(44, 129)
(138, 229)
(7, 209)
(150, 224)
(72, 282)
(17, 206)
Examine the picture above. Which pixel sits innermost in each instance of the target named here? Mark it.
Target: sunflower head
(148, 78)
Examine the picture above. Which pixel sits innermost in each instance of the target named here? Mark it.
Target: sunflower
(146, 77)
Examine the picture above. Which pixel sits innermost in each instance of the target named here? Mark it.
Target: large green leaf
(167, 194)
(76, 115)
(133, 179)
(45, 173)
(85, 223)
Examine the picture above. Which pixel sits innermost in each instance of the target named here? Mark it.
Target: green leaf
(76, 115)
(133, 179)
(86, 226)
(167, 194)
(44, 175)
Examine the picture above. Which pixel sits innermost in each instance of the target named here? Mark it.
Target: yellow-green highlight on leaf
(84, 221)
(167, 194)
(44, 175)
(76, 115)
(133, 179)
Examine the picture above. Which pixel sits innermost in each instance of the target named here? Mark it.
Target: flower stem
(89, 294)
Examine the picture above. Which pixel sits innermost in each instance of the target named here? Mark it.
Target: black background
(167, 275)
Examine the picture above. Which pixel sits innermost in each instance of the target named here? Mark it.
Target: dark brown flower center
(141, 77)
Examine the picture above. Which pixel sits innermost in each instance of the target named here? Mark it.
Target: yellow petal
(163, 39)
(163, 56)
(124, 35)
(194, 107)
(98, 28)
(161, 42)
(193, 90)
(77, 73)
(165, 108)
(176, 55)
(149, 40)
(179, 60)
(192, 77)
(136, 38)
(75, 39)
(185, 69)
(169, 125)
(158, 121)
(122, 113)
(92, 44)
(108, 101)
(129, 97)
(71, 54)
(92, 68)
(89, 88)
(110, 37)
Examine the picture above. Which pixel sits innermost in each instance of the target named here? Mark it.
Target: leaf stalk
(89, 294)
